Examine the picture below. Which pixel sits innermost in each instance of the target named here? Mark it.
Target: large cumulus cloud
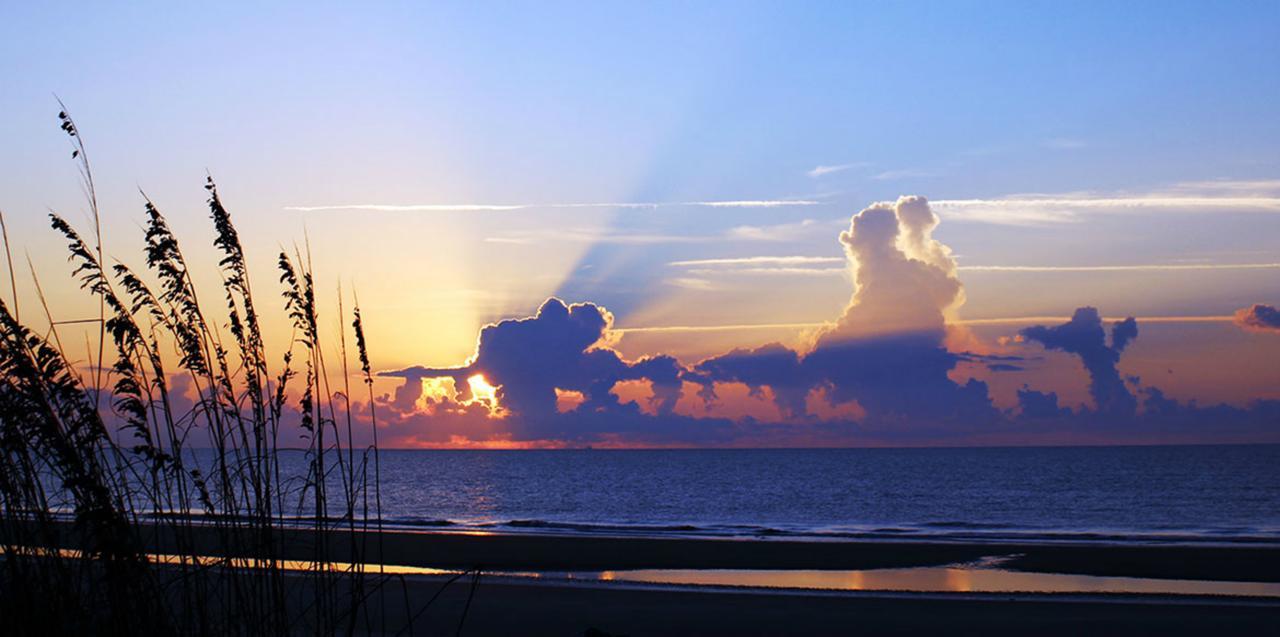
(886, 353)
(905, 279)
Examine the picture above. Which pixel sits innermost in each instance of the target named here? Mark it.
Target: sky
(720, 224)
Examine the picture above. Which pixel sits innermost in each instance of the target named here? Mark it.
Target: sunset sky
(680, 177)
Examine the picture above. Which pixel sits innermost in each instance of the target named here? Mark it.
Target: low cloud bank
(885, 359)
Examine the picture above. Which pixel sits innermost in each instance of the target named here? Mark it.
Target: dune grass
(104, 456)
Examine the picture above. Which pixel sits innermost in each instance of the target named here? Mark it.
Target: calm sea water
(1197, 493)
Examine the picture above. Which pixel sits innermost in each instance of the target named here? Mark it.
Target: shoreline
(942, 533)
(531, 551)
(565, 552)
(532, 596)
(593, 553)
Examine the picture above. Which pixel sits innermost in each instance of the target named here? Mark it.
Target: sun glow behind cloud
(484, 393)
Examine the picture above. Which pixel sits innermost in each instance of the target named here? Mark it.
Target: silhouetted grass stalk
(87, 489)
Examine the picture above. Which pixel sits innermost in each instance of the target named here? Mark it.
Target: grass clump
(127, 507)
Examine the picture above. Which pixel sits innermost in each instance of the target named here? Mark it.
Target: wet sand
(1245, 563)
(1239, 562)
(503, 607)
(509, 605)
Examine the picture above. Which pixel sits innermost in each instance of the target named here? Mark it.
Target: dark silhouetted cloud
(883, 368)
(560, 348)
(1085, 337)
(1259, 318)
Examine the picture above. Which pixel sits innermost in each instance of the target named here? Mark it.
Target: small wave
(959, 524)
(421, 522)
(944, 530)
(588, 527)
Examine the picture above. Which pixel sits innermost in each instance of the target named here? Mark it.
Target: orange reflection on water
(940, 580)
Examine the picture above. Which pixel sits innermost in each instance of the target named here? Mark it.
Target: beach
(527, 586)
(508, 608)
(586, 553)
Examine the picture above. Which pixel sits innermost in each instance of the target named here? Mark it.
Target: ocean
(1215, 494)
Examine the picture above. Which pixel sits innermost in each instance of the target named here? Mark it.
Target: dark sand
(1240, 562)
(511, 606)
(503, 607)
(507, 606)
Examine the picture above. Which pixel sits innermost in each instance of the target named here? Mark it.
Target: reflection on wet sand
(967, 578)
(938, 580)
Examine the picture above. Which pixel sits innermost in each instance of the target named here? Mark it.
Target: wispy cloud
(753, 261)
(1196, 197)
(778, 232)
(770, 271)
(1015, 320)
(1149, 267)
(823, 170)
(473, 207)
(1001, 320)
(807, 266)
(1240, 186)
(890, 175)
(589, 236)
(713, 328)
(749, 203)
(692, 283)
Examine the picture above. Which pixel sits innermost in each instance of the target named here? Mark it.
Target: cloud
(779, 203)
(561, 349)
(1013, 320)
(1084, 336)
(783, 265)
(822, 171)
(884, 358)
(772, 271)
(999, 320)
(886, 353)
(1066, 208)
(905, 280)
(1235, 186)
(778, 232)
(716, 328)
(881, 373)
(570, 235)
(477, 207)
(1259, 318)
(890, 175)
(755, 261)
(691, 283)
(1145, 267)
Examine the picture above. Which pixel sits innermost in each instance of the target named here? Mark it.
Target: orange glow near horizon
(568, 399)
